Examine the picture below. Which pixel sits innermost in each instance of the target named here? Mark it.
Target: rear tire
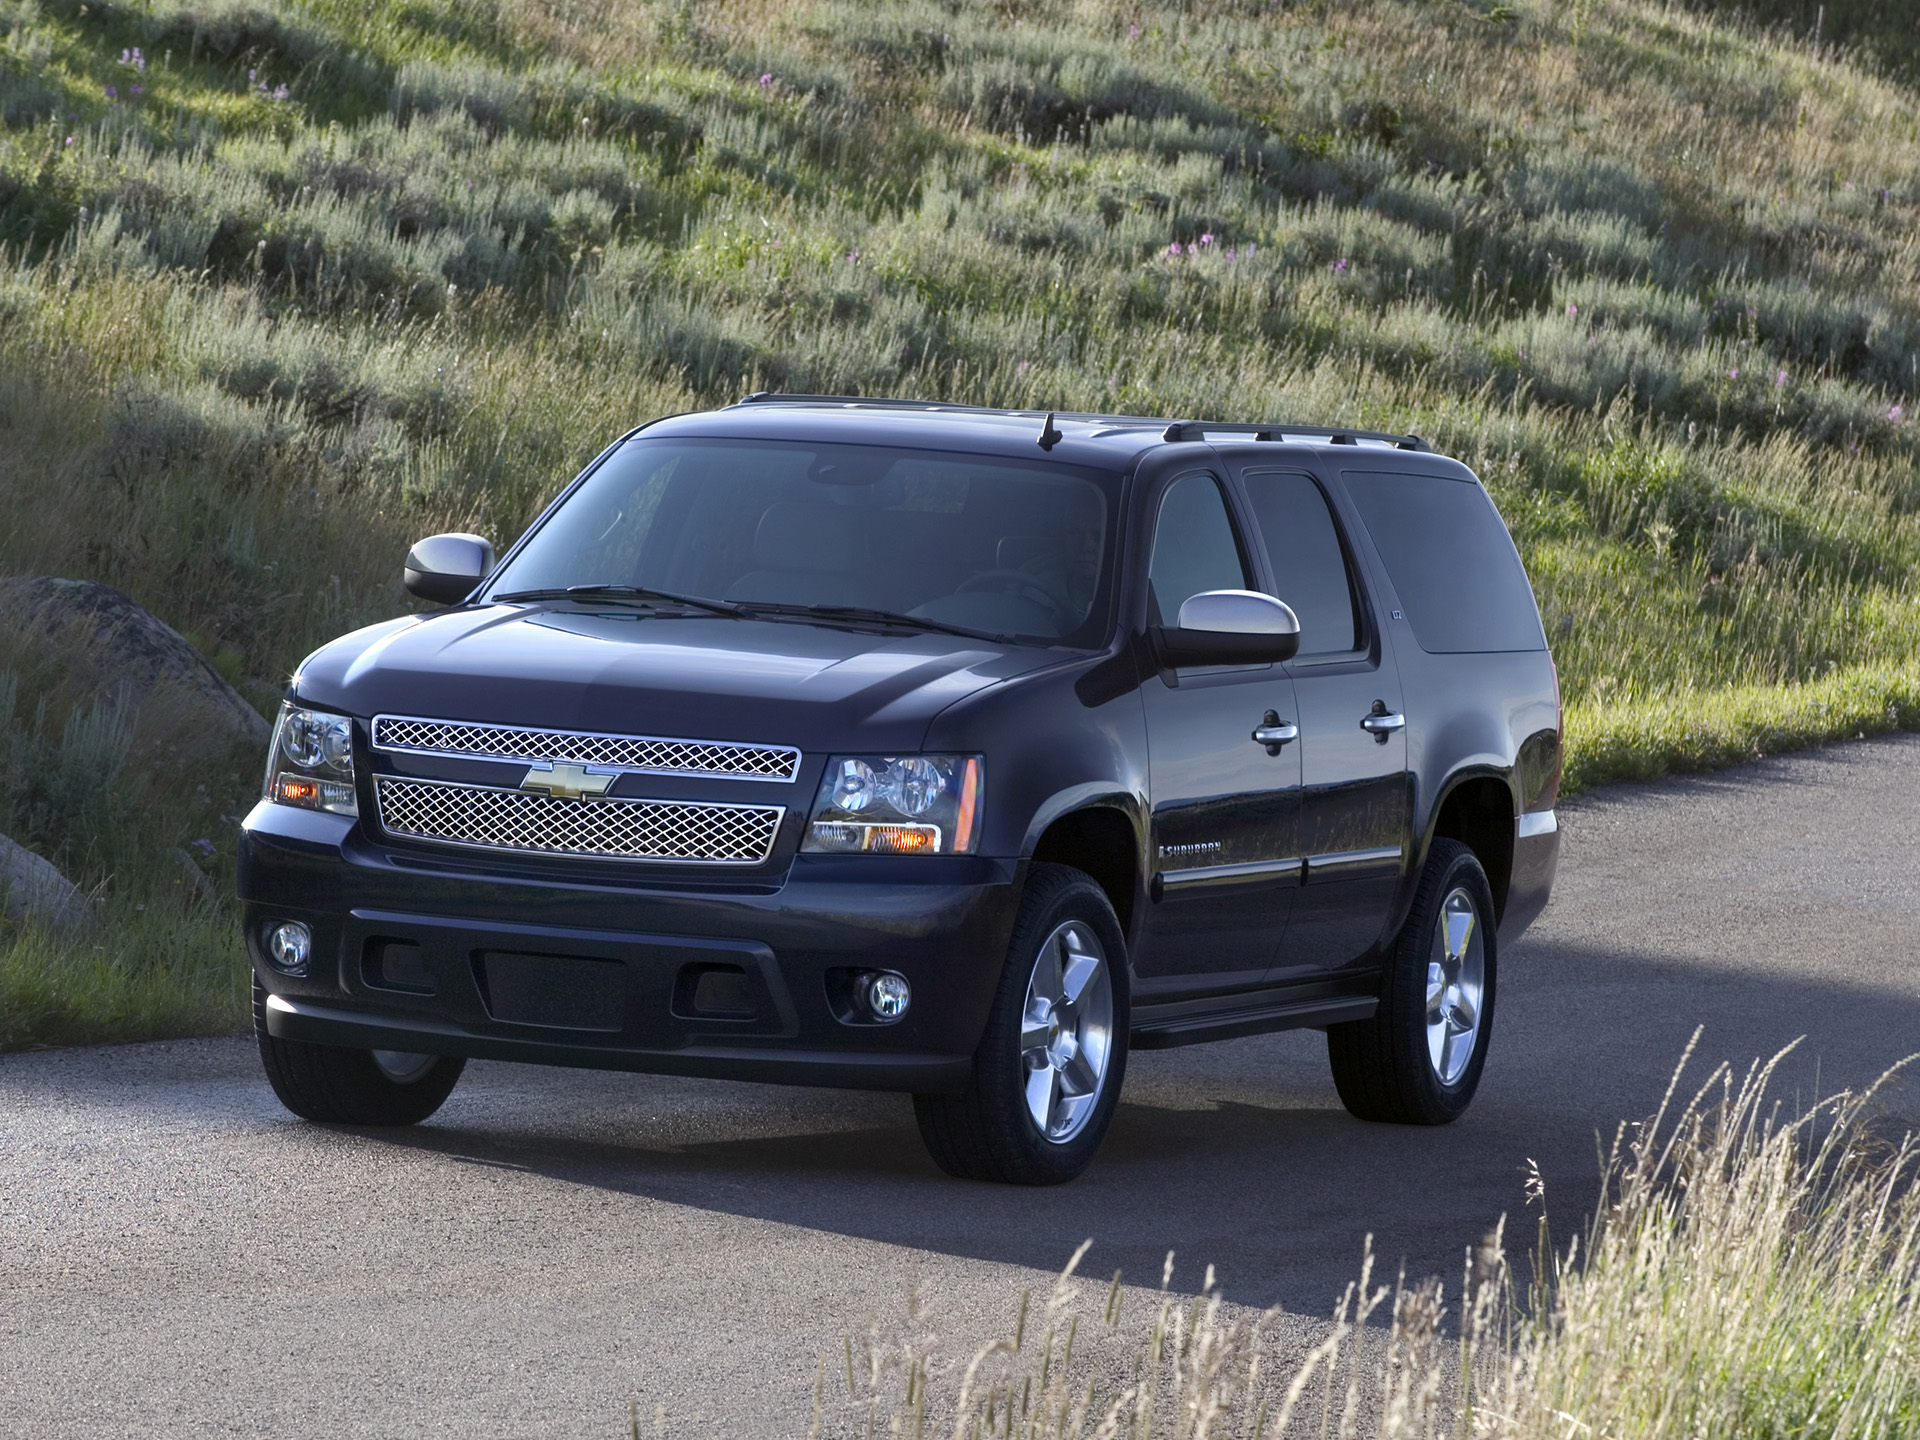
(1418, 1060)
(336, 1085)
(1046, 1078)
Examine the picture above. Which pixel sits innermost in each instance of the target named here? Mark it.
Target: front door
(1222, 873)
(1355, 813)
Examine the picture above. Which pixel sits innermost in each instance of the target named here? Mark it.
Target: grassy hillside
(285, 286)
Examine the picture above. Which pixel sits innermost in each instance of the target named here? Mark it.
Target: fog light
(885, 994)
(290, 947)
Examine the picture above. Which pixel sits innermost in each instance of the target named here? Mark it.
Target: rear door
(1355, 817)
(1223, 871)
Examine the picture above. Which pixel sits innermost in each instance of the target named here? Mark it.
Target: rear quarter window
(1451, 561)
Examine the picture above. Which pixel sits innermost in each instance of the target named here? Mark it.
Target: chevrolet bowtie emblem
(566, 781)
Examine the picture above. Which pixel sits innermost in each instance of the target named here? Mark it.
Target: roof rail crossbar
(1334, 434)
(875, 402)
(1178, 431)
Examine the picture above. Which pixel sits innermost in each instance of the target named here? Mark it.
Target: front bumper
(522, 961)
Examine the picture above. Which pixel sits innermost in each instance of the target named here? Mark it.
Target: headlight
(310, 763)
(896, 805)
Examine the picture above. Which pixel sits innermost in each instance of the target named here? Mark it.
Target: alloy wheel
(403, 1067)
(1066, 1031)
(1456, 987)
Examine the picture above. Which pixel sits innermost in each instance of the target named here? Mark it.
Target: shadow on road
(1235, 1154)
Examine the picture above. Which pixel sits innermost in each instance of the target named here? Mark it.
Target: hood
(769, 682)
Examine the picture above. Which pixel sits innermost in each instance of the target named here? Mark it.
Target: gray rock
(105, 643)
(196, 879)
(32, 890)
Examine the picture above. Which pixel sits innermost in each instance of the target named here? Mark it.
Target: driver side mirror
(1228, 627)
(445, 568)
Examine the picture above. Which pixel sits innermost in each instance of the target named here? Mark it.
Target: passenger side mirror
(445, 568)
(1228, 627)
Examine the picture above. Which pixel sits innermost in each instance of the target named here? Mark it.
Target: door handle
(1273, 732)
(1381, 722)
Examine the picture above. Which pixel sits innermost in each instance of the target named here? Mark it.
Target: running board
(1177, 1024)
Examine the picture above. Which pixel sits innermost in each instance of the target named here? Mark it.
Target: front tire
(340, 1086)
(1046, 1078)
(1418, 1060)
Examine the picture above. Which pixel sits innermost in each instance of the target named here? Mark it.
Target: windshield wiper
(873, 617)
(619, 592)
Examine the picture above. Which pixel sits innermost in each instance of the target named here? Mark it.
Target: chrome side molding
(1205, 875)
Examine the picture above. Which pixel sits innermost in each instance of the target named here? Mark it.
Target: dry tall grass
(1751, 1274)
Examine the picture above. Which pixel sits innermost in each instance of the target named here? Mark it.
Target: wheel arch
(1477, 806)
(1101, 836)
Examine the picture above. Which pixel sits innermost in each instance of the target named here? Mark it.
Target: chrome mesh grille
(629, 752)
(666, 830)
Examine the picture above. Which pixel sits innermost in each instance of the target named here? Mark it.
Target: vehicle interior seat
(806, 555)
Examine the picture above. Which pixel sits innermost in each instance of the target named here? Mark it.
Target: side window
(1193, 547)
(1309, 567)
(1452, 562)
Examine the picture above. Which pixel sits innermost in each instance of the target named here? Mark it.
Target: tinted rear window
(1309, 567)
(1451, 561)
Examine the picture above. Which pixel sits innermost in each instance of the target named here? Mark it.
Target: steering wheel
(1054, 597)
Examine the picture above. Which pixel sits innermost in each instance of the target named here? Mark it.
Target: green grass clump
(150, 972)
(284, 287)
(1751, 1274)
(1633, 739)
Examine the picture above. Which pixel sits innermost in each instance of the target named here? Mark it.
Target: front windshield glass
(976, 541)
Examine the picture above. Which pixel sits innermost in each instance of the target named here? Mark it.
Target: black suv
(927, 748)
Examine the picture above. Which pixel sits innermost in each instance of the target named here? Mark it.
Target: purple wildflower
(1023, 367)
(1734, 373)
(112, 93)
(766, 81)
(252, 76)
(1572, 310)
(69, 139)
(1339, 267)
(1895, 413)
(1133, 32)
(1207, 238)
(135, 89)
(1174, 248)
(281, 92)
(1229, 252)
(1781, 378)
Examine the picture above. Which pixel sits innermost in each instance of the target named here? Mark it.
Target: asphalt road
(178, 1256)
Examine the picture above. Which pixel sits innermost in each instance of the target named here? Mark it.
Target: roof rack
(1335, 434)
(1178, 431)
(777, 397)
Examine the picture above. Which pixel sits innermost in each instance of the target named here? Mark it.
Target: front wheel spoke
(1042, 1086)
(1045, 984)
(1463, 1013)
(1079, 969)
(1035, 1028)
(1077, 1076)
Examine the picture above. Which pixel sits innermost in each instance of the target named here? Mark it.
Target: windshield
(975, 541)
